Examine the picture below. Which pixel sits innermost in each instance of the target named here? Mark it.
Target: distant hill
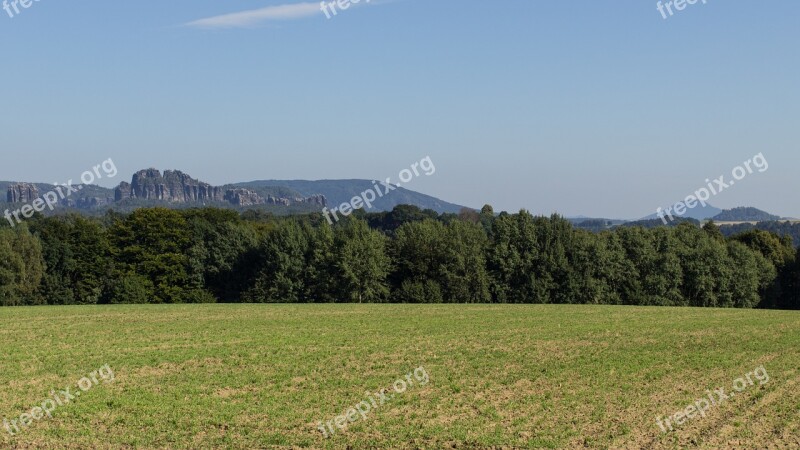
(699, 212)
(744, 214)
(341, 191)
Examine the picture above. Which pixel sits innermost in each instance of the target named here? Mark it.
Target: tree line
(158, 255)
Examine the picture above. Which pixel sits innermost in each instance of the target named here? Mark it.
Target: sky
(600, 108)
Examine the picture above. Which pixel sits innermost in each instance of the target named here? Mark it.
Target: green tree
(663, 279)
(464, 277)
(746, 280)
(21, 266)
(222, 250)
(389, 222)
(321, 265)
(362, 263)
(154, 243)
(705, 265)
(443, 262)
(713, 231)
(512, 260)
(281, 277)
(77, 256)
(418, 253)
(780, 253)
(594, 271)
(637, 243)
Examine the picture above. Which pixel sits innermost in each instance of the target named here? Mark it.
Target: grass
(262, 376)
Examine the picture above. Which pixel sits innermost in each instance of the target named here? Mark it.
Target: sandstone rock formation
(22, 193)
(173, 186)
(243, 197)
(178, 187)
(318, 200)
(123, 191)
(278, 201)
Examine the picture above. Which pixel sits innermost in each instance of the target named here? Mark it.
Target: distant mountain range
(176, 189)
(739, 214)
(695, 215)
(699, 213)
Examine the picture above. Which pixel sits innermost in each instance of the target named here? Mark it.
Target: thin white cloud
(252, 17)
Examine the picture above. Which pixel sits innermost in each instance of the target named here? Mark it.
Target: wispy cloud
(255, 16)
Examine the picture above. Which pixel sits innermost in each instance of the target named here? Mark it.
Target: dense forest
(158, 255)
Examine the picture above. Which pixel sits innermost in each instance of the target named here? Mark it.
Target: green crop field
(266, 376)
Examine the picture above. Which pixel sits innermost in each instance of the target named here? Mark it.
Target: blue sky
(601, 108)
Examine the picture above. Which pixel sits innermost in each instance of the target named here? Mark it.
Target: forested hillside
(745, 214)
(157, 255)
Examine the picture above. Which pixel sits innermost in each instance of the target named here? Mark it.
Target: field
(264, 376)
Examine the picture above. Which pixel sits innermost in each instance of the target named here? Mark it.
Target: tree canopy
(158, 255)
